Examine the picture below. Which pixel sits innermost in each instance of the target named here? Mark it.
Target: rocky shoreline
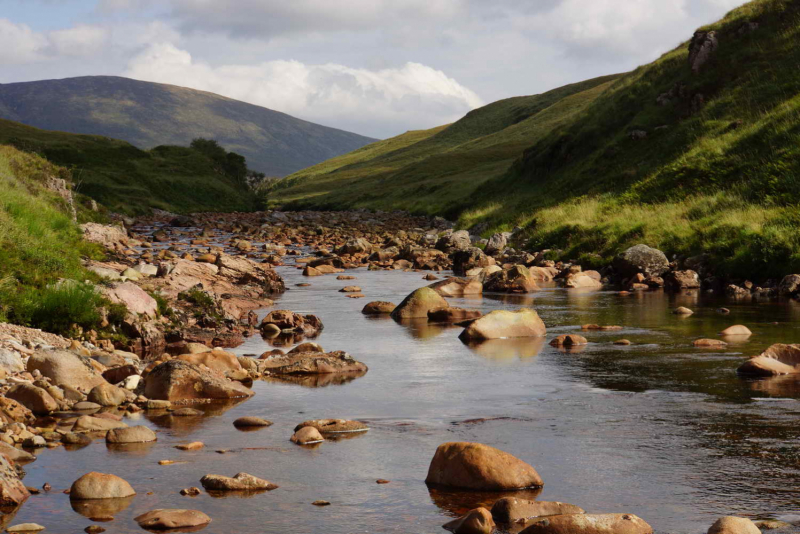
(193, 286)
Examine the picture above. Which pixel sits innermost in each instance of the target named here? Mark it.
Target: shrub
(57, 308)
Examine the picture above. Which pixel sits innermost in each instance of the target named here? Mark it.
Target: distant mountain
(151, 114)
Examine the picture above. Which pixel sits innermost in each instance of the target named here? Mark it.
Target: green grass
(128, 180)
(41, 275)
(721, 178)
(434, 171)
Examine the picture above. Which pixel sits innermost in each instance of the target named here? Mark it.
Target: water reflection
(132, 449)
(522, 348)
(422, 329)
(317, 380)
(458, 502)
(101, 509)
(778, 386)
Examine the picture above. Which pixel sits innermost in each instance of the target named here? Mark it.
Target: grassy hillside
(129, 180)
(717, 172)
(150, 114)
(40, 245)
(436, 171)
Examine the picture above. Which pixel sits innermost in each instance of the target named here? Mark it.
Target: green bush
(58, 308)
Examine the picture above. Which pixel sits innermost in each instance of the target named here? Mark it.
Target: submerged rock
(736, 330)
(568, 340)
(250, 421)
(733, 525)
(169, 519)
(477, 521)
(378, 308)
(134, 434)
(510, 509)
(590, 524)
(239, 482)
(475, 466)
(313, 363)
(334, 426)
(505, 324)
(306, 436)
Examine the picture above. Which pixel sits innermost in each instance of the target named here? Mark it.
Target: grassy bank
(128, 180)
(41, 277)
(713, 168)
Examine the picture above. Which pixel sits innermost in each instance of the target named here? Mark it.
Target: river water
(658, 428)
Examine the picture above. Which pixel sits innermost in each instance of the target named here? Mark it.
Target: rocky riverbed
(248, 330)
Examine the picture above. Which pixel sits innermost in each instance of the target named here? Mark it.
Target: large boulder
(453, 242)
(216, 359)
(733, 525)
(110, 236)
(133, 297)
(496, 244)
(11, 361)
(96, 485)
(418, 304)
(12, 411)
(36, 399)
(176, 380)
(779, 359)
(677, 280)
(590, 524)
(240, 270)
(12, 490)
(641, 259)
(107, 395)
(66, 368)
(517, 279)
(474, 466)
(355, 246)
(457, 287)
(790, 285)
(470, 258)
(510, 509)
(505, 324)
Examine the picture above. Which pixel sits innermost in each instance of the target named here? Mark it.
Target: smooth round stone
(250, 421)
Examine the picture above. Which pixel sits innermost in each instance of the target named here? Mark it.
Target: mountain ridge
(149, 114)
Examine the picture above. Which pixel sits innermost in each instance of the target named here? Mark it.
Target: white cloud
(373, 102)
(78, 41)
(19, 44)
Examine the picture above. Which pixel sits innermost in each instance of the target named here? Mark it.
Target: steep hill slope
(151, 114)
(435, 171)
(689, 156)
(129, 180)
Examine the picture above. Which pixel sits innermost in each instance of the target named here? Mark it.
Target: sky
(374, 67)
